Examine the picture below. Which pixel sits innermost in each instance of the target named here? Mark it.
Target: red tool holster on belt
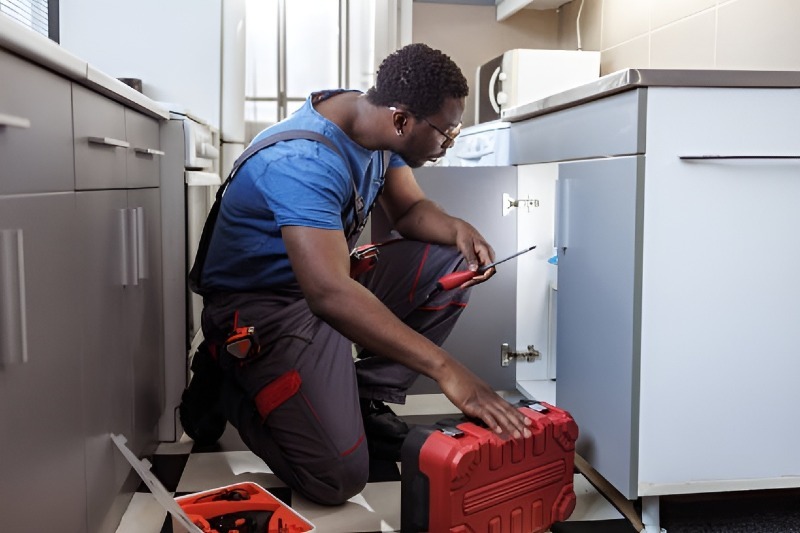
(242, 342)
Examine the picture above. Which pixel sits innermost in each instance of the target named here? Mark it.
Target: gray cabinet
(107, 365)
(35, 129)
(144, 153)
(80, 300)
(122, 330)
(120, 219)
(143, 319)
(476, 195)
(41, 422)
(101, 147)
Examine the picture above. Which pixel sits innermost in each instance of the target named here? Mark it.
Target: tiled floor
(184, 468)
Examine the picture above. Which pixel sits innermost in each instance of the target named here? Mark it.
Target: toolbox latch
(534, 405)
(449, 426)
(452, 432)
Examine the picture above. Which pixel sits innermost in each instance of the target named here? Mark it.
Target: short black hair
(418, 78)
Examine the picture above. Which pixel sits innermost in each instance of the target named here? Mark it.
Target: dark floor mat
(756, 512)
(594, 526)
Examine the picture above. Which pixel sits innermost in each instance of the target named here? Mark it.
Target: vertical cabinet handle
(130, 261)
(13, 328)
(561, 216)
(141, 244)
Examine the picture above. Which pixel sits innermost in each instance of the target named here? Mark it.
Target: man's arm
(321, 262)
(416, 217)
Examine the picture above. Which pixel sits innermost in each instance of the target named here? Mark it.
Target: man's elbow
(324, 299)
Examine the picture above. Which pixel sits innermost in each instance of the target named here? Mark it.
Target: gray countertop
(24, 42)
(627, 79)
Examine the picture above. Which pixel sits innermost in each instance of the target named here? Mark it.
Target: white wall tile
(624, 20)
(759, 35)
(663, 12)
(688, 43)
(632, 54)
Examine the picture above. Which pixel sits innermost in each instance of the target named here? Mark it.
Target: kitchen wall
(471, 35)
(695, 34)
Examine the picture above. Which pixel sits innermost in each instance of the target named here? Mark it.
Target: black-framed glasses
(449, 138)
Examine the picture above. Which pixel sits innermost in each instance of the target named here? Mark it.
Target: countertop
(37, 48)
(627, 79)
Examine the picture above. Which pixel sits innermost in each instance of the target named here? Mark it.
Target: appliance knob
(502, 98)
(502, 77)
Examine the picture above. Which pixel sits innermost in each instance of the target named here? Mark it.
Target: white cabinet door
(599, 267)
(721, 293)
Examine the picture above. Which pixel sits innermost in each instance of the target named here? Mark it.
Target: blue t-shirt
(299, 182)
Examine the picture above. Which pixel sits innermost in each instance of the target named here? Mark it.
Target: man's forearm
(356, 313)
(425, 221)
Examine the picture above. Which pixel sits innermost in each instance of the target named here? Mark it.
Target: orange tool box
(239, 508)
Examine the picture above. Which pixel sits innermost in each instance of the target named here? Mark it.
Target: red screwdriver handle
(451, 281)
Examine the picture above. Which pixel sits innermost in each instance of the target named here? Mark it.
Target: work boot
(385, 430)
(200, 411)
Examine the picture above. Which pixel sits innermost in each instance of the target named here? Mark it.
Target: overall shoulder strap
(196, 273)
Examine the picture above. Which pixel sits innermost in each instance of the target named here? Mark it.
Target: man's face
(430, 137)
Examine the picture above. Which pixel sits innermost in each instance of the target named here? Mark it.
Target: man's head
(424, 90)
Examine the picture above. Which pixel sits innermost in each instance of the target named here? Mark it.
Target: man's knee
(338, 482)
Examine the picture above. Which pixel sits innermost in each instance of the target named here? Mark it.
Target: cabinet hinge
(510, 203)
(506, 354)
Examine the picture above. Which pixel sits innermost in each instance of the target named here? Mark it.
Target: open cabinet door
(476, 195)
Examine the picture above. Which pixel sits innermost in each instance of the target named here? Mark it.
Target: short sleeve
(305, 186)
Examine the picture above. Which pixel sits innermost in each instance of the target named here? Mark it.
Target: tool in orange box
(456, 279)
(242, 342)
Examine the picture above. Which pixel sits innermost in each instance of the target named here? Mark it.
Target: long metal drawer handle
(148, 151)
(13, 329)
(689, 157)
(109, 141)
(14, 122)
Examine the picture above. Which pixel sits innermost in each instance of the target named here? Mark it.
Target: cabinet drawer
(719, 123)
(101, 146)
(35, 129)
(144, 154)
(608, 127)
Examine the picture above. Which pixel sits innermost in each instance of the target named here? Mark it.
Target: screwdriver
(451, 281)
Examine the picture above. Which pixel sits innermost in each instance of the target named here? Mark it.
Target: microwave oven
(522, 75)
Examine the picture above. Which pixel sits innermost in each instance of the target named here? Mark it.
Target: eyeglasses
(449, 138)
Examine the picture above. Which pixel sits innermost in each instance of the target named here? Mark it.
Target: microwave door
(488, 85)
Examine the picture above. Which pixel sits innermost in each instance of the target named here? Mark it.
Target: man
(279, 261)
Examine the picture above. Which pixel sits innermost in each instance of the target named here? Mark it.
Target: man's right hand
(476, 399)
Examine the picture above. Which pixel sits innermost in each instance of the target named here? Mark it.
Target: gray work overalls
(296, 403)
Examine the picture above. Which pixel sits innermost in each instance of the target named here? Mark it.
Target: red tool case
(460, 477)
